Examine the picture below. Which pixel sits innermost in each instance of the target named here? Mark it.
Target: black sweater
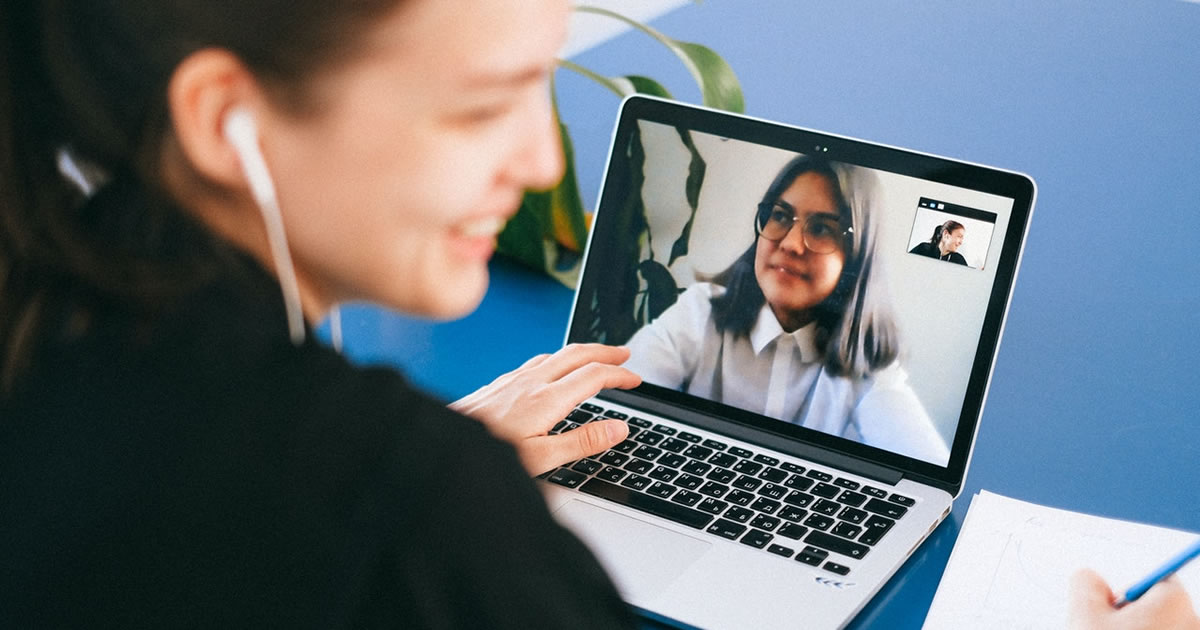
(204, 472)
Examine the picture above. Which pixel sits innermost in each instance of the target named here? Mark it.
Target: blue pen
(1159, 574)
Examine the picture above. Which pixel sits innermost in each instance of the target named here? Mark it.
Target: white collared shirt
(683, 350)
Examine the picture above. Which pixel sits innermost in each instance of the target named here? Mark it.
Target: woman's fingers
(576, 355)
(543, 453)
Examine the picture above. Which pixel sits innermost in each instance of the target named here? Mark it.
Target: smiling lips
(482, 227)
(790, 271)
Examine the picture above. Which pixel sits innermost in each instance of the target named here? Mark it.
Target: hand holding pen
(1156, 602)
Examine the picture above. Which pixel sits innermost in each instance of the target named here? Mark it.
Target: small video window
(951, 233)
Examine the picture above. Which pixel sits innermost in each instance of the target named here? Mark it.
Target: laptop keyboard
(816, 517)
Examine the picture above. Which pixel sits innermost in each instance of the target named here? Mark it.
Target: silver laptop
(816, 319)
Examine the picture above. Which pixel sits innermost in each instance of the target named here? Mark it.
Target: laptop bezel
(773, 433)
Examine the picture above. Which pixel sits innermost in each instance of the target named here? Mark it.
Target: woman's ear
(204, 89)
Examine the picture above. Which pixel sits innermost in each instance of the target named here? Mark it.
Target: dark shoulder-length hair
(940, 230)
(856, 329)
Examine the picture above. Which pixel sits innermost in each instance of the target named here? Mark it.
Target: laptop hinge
(766, 439)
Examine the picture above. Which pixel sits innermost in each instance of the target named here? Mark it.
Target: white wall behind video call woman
(939, 306)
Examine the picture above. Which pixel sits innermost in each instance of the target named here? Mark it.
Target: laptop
(816, 319)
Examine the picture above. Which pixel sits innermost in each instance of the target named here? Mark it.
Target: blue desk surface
(1094, 398)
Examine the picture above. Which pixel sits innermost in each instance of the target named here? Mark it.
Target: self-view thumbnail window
(951, 233)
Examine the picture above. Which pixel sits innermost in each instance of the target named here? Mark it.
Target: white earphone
(241, 131)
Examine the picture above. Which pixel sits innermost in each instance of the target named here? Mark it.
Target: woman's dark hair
(83, 89)
(945, 228)
(855, 326)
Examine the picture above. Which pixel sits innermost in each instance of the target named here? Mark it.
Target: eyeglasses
(822, 233)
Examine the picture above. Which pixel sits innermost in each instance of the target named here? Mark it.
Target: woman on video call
(944, 243)
(175, 448)
(799, 327)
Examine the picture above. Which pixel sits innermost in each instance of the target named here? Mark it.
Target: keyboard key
(571, 426)
(712, 506)
(612, 474)
(884, 508)
(792, 513)
(615, 414)
(673, 460)
(559, 426)
(757, 539)
(747, 467)
(846, 530)
(662, 473)
(721, 475)
(625, 447)
(613, 458)
(578, 416)
(873, 491)
(637, 482)
(739, 514)
(673, 445)
(691, 482)
(796, 482)
(852, 498)
(714, 489)
(798, 499)
(834, 567)
(587, 466)
(822, 489)
(747, 483)
(902, 500)
(640, 422)
(590, 408)
(767, 460)
(633, 431)
(774, 475)
(696, 468)
(740, 452)
(876, 527)
(819, 476)
(812, 555)
(740, 497)
(686, 497)
(823, 506)
(793, 531)
(649, 437)
(646, 503)
(639, 466)
(661, 490)
(724, 460)
(568, 478)
(664, 429)
(698, 452)
(765, 523)
(780, 550)
(648, 453)
(715, 445)
(836, 545)
(846, 483)
(765, 505)
(773, 491)
(818, 521)
(728, 529)
(792, 468)
(853, 515)
(689, 437)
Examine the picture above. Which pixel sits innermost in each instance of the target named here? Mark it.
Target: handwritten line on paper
(1012, 562)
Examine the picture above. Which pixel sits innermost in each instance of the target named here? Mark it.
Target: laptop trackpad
(642, 558)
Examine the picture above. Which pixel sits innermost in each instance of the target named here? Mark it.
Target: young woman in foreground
(174, 447)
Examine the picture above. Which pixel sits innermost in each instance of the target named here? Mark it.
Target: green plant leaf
(646, 85)
(718, 83)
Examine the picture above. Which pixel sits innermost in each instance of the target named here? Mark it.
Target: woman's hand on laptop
(523, 405)
(1164, 607)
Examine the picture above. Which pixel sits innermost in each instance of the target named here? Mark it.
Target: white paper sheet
(1013, 560)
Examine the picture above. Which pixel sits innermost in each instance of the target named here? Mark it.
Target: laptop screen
(814, 286)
